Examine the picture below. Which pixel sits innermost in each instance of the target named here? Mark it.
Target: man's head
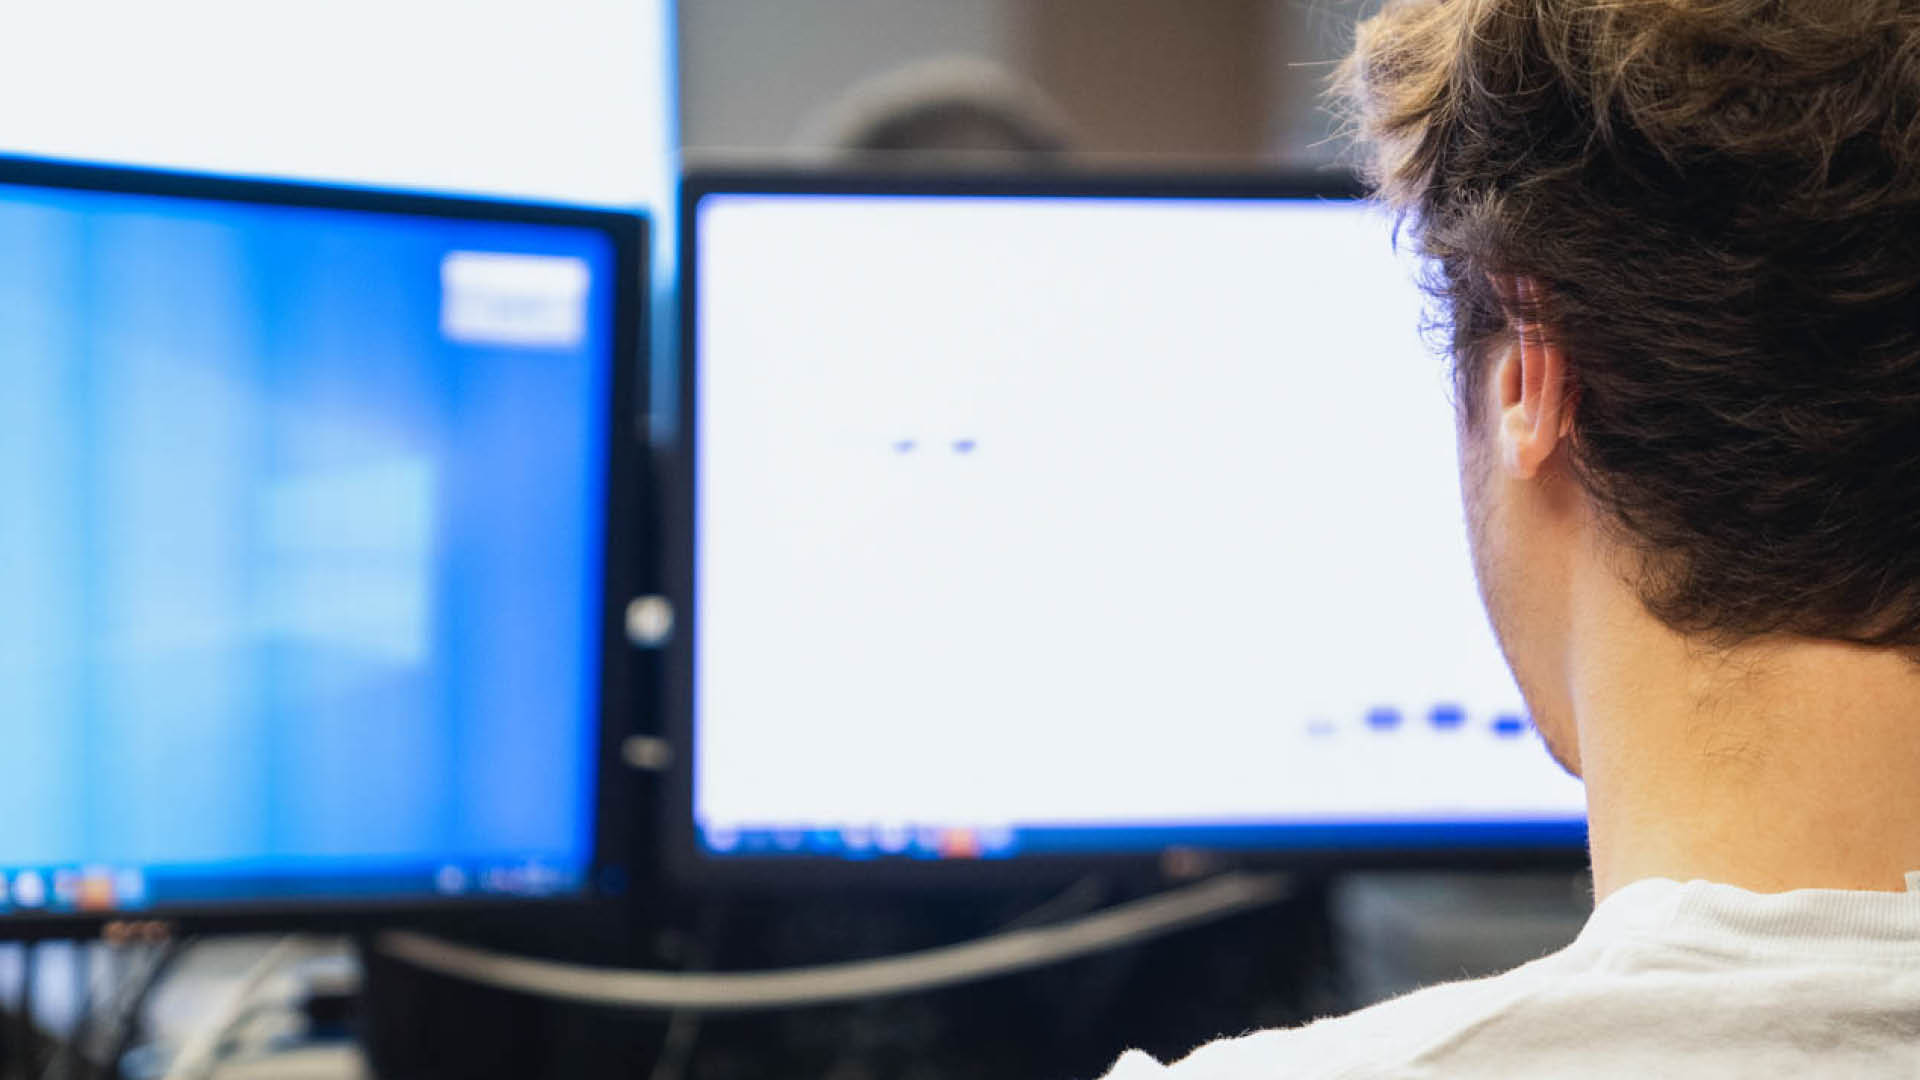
(1679, 245)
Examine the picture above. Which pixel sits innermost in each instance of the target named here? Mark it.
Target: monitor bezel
(628, 497)
(684, 859)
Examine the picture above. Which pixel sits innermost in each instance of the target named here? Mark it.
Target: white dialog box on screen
(529, 301)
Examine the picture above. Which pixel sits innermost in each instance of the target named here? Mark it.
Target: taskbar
(138, 890)
(915, 842)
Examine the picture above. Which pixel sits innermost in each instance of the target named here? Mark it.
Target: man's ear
(1533, 410)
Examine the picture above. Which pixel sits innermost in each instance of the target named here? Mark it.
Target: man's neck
(1777, 765)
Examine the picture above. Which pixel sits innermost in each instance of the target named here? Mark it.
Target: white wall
(561, 99)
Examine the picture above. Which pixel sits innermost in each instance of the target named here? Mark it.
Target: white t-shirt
(1666, 980)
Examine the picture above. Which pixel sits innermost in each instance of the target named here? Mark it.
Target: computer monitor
(1060, 519)
(314, 507)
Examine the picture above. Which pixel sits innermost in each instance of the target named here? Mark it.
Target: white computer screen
(1085, 524)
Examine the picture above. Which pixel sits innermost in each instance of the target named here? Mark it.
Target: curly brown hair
(1721, 202)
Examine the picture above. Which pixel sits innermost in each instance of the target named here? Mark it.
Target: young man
(1679, 241)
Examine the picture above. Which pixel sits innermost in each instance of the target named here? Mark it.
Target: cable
(676, 1048)
(683, 1025)
(1082, 896)
(69, 1058)
(123, 1013)
(65, 1061)
(197, 1055)
(27, 1054)
(999, 954)
(233, 1046)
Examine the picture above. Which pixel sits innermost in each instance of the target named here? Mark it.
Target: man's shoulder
(1372, 1044)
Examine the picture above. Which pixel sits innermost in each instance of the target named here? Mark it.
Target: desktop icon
(506, 880)
(450, 880)
(130, 887)
(66, 887)
(1509, 725)
(997, 840)
(959, 844)
(542, 880)
(96, 889)
(29, 889)
(1383, 718)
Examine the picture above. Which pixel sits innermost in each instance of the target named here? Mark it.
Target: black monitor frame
(626, 535)
(684, 861)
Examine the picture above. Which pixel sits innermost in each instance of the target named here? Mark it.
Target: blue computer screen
(301, 546)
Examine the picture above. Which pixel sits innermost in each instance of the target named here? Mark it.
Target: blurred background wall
(1214, 80)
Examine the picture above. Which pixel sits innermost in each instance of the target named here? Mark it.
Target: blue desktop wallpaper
(294, 584)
